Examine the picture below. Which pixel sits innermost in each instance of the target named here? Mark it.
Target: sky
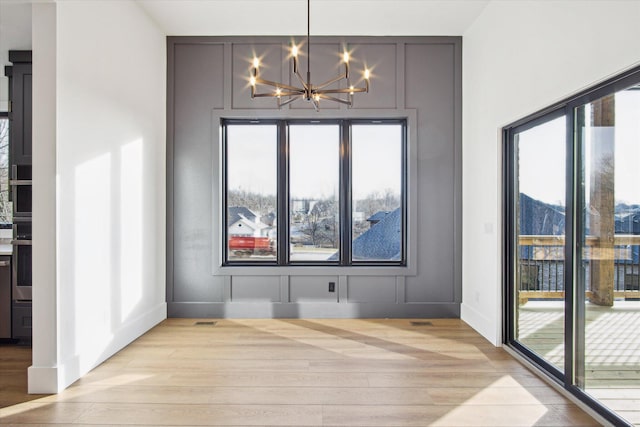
(314, 154)
(542, 154)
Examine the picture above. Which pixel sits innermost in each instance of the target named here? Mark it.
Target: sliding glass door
(607, 323)
(572, 247)
(540, 170)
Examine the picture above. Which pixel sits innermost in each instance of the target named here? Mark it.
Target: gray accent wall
(417, 78)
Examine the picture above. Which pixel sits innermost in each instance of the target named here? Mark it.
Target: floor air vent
(421, 324)
(205, 323)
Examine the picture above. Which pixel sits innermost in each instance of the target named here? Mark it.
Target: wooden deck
(303, 373)
(612, 349)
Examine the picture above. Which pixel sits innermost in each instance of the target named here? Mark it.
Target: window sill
(312, 270)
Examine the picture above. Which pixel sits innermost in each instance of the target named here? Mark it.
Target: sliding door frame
(574, 302)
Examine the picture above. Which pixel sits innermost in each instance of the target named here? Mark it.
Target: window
(6, 207)
(540, 172)
(314, 184)
(251, 159)
(376, 162)
(327, 192)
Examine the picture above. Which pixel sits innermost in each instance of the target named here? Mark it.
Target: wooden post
(602, 203)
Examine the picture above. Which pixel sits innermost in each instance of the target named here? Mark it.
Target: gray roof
(381, 242)
(378, 216)
(236, 213)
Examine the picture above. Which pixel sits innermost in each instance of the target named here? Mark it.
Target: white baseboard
(483, 325)
(42, 380)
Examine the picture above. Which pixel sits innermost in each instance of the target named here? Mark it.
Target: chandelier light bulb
(345, 57)
(367, 74)
(256, 62)
(294, 51)
(252, 81)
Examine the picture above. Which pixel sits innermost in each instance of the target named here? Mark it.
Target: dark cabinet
(20, 96)
(20, 159)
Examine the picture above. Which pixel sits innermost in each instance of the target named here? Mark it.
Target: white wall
(15, 34)
(110, 85)
(43, 374)
(518, 57)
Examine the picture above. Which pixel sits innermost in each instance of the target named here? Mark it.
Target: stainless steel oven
(21, 190)
(21, 263)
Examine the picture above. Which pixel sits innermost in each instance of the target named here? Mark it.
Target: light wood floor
(14, 361)
(303, 373)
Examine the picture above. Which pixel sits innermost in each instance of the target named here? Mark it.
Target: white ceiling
(328, 17)
(15, 34)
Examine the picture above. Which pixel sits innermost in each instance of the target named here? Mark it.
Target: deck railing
(540, 272)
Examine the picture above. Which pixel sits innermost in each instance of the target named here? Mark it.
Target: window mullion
(225, 197)
(283, 193)
(345, 193)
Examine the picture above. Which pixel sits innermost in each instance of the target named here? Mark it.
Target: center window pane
(314, 184)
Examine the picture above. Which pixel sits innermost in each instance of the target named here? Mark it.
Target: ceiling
(15, 34)
(328, 17)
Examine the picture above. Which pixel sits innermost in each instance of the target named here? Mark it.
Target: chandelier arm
(335, 99)
(265, 95)
(301, 80)
(277, 95)
(278, 85)
(330, 82)
(289, 101)
(345, 90)
(289, 93)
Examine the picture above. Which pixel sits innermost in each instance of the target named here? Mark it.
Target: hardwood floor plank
(491, 395)
(244, 395)
(203, 415)
(41, 412)
(451, 416)
(452, 379)
(253, 379)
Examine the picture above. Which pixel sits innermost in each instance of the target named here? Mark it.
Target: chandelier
(286, 94)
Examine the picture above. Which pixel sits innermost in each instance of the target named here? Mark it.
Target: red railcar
(248, 245)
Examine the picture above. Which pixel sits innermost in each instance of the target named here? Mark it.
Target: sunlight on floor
(527, 410)
(323, 340)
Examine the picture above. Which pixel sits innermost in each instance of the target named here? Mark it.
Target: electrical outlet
(332, 286)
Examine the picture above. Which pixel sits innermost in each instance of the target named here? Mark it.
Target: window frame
(345, 196)
(4, 115)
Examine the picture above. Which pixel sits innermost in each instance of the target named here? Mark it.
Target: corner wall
(100, 277)
(520, 57)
